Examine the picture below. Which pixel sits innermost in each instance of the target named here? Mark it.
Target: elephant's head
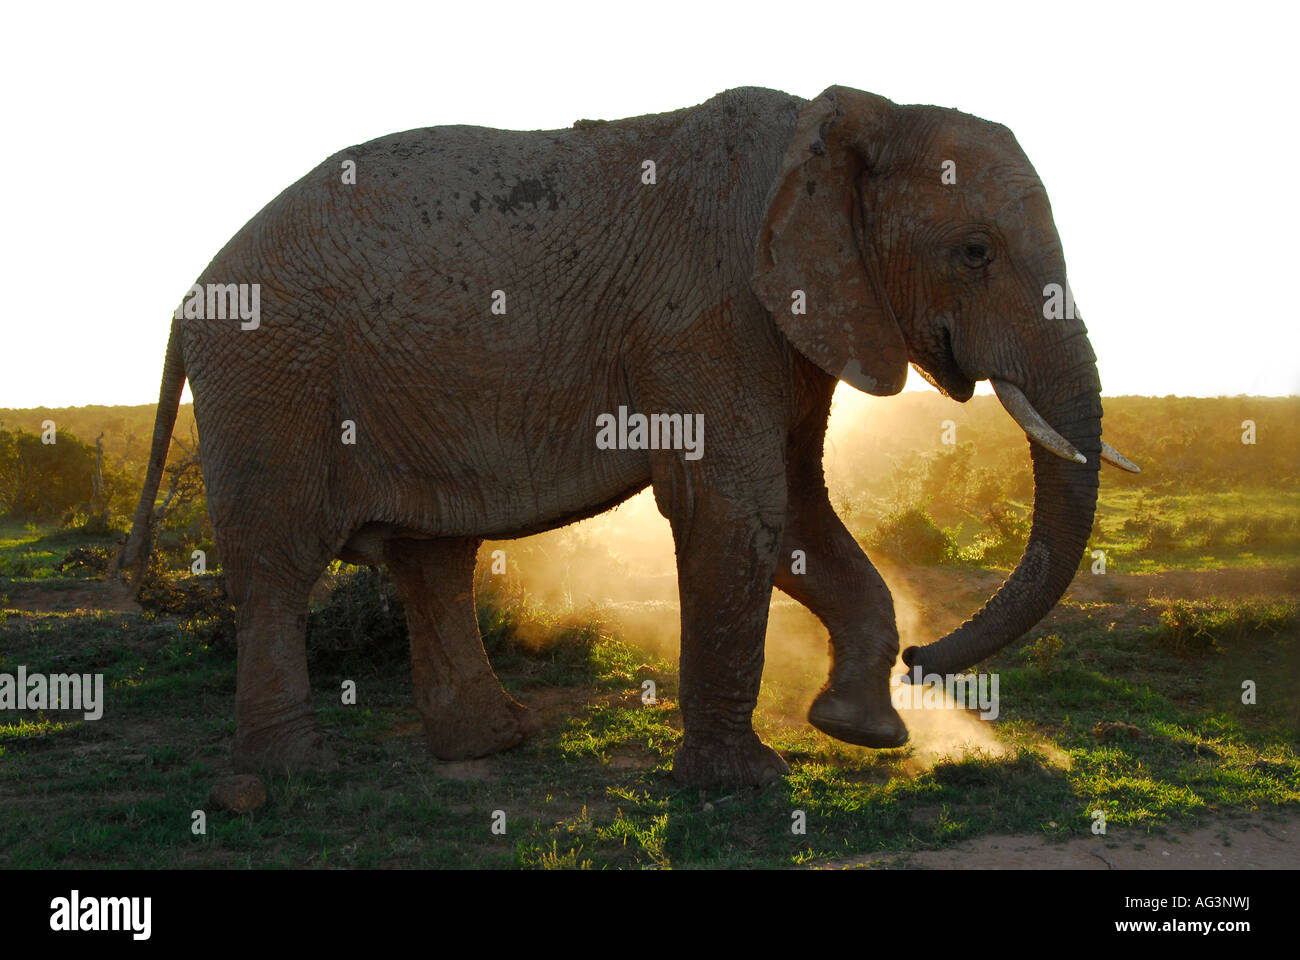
(911, 233)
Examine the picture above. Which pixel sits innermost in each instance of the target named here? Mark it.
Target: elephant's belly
(482, 516)
(483, 464)
(365, 544)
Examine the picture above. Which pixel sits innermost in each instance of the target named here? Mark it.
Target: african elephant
(473, 304)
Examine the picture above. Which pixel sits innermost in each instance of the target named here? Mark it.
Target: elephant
(448, 319)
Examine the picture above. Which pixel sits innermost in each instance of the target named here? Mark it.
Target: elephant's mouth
(941, 370)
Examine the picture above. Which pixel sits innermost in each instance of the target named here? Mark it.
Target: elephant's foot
(746, 762)
(477, 723)
(868, 721)
(286, 747)
(529, 722)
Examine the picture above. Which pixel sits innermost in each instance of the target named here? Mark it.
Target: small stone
(1112, 729)
(707, 807)
(242, 793)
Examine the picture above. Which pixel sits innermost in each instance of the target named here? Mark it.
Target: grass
(1140, 531)
(1145, 533)
(593, 788)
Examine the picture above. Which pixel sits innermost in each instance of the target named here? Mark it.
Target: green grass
(1140, 531)
(593, 789)
(28, 552)
(1145, 533)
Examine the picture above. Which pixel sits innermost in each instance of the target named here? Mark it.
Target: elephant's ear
(809, 242)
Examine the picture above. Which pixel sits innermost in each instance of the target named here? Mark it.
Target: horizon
(843, 393)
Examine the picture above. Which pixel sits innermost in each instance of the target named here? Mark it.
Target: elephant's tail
(134, 555)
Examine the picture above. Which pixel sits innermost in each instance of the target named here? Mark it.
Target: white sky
(139, 138)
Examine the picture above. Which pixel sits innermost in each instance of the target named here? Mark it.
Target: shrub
(1044, 652)
(362, 623)
(1204, 625)
(1005, 541)
(1264, 531)
(990, 490)
(1203, 531)
(41, 481)
(912, 536)
(1160, 536)
(1136, 525)
(87, 557)
(199, 601)
(162, 594)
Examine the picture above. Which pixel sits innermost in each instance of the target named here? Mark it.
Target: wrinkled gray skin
(673, 297)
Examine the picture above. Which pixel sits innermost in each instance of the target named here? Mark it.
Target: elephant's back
(403, 244)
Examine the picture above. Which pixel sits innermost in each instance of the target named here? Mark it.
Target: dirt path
(955, 588)
(1189, 584)
(1258, 842)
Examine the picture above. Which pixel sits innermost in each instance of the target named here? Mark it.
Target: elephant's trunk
(1065, 496)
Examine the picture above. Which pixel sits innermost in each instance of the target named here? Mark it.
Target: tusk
(1113, 456)
(1032, 422)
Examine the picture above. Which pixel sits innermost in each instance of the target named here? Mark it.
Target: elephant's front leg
(726, 555)
(843, 589)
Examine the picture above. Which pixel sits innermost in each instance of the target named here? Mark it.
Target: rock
(242, 793)
(1112, 729)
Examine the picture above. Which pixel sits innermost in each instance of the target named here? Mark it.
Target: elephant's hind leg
(465, 710)
(275, 727)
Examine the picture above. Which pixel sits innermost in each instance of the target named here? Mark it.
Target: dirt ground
(1259, 842)
(1192, 584)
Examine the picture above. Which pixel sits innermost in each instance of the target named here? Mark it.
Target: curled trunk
(1065, 497)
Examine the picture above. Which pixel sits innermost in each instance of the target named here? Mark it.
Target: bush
(1138, 525)
(101, 524)
(1204, 531)
(1005, 540)
(1044, 652)
(1263, 531)
(161, 594)
(199, 601)
(516, 630)
(93, 559)
(1160, 537)
(912, 536)
(990, 490)
(1199, 626)
(362, 624)
(41, 481)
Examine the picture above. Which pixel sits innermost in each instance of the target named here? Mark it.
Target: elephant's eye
(976, 254)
